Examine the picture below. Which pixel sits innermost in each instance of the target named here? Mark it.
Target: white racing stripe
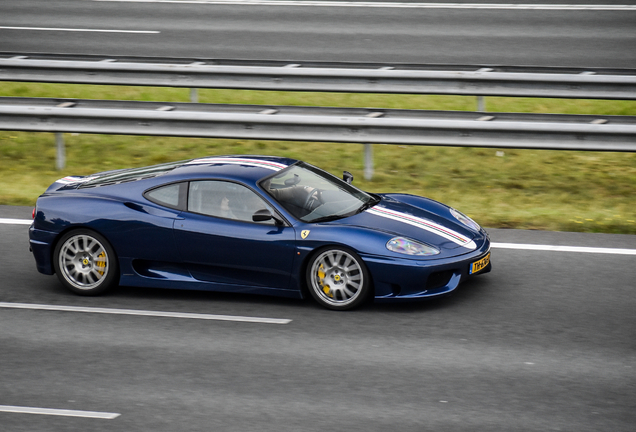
(362, 4)
(144, 313)
(553, 248)
(424, 224)
(58, 412)
(79, 30)
(275, 166)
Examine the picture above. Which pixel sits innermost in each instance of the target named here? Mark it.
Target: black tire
(338, 279)
(85, 262)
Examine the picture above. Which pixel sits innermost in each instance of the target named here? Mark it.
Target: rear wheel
(85, 263)
(338, 279)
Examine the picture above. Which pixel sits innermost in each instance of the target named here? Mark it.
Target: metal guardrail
(562, 132)
(350, 125)
(474, 80)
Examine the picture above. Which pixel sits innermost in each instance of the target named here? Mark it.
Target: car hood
(417, 218)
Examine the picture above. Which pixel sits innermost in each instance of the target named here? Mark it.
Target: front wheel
(338, 279)
(85, 263)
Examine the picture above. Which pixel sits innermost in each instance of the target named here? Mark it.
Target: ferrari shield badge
(304, 234)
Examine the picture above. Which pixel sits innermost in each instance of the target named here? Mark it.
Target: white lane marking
(618, 7)
(10, 221)
(79, 30)
(58, 412)
(553, 248)
(519, 246)
(145, 313)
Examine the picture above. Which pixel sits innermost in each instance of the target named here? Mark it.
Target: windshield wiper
(327, 218)
(368, 204)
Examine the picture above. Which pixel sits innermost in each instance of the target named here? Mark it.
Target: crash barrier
(476, 80)
(471, 80)
(351, 125)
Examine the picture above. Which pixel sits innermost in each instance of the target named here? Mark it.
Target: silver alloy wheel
(337, 278)
(83, 261)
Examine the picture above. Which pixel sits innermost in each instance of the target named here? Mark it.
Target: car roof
(248, 168)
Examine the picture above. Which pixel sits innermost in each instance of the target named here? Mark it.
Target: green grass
(532, 189)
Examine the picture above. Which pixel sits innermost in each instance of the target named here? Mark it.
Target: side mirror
(347, 176)
(264, 215)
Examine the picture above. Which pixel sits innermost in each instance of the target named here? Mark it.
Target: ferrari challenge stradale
(252, 224)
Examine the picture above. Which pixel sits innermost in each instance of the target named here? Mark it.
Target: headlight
(465, 220)
(410, 247)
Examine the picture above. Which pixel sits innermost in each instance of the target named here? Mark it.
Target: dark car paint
(163, 247)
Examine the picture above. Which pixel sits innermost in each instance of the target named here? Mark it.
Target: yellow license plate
(480, 265)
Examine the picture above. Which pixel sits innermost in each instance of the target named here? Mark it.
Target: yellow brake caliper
(101, 263)
(321, 277)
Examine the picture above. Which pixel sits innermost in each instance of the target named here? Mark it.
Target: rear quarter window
(172, 195)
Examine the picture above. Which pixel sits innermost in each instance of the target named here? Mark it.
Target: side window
(226, 200)
(172, 195)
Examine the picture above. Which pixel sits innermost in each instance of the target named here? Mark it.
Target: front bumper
(404, 279)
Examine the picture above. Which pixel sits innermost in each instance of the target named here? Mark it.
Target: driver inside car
(303, 199)
(293, 195)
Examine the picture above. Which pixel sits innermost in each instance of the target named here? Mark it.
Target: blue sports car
(252, 224)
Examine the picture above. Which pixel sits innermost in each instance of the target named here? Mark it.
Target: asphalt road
(545, 342)
(581, 38)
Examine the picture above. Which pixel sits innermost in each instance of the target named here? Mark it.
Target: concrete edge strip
(58, 412)
(144, 313)
(367, 4)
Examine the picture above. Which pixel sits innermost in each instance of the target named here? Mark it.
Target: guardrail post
(194, 95)
(61, 151)
(481, 104)
(368, 162)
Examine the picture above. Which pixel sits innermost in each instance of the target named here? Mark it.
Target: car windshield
(313, 195)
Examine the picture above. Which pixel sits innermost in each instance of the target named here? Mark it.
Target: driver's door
(219, 242)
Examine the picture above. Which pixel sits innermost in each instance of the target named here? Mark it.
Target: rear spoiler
(75, 181)
(72, 181)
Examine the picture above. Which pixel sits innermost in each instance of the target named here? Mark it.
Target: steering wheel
(312, 198)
